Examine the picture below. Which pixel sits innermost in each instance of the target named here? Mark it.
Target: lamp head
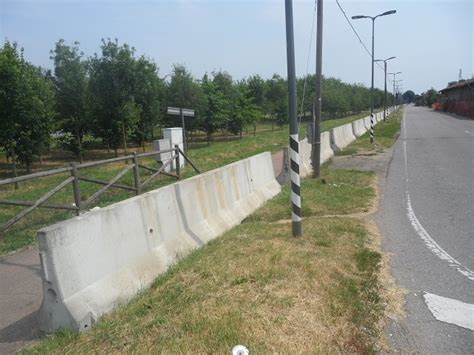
(391, 12)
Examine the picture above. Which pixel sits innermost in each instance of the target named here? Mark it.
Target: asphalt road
(426, 218)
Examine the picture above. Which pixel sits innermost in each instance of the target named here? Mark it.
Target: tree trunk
(254, 129)
(29, 167)
(124, 138)
(79, 146)
(241, 134)
(115, 152)
(15, 172)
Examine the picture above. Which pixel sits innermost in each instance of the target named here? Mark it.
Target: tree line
(118, 97)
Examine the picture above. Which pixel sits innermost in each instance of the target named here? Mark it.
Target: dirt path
(20, 298)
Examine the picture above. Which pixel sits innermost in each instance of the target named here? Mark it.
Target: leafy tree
(409, 96)
(244, 111)
(277, 100)
(430, 97)
(183, 91)
(255, 91)
(216, 108)
(26, 106)
(148, 93)
(71, 91)
(112, 85)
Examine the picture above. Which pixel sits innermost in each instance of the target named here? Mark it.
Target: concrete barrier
(305, 153)
(95, 261)
(341, 136)
(358, 127)
(367, 122)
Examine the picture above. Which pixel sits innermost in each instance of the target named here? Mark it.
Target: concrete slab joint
(358, 127)
(342, 136)
(84, 277)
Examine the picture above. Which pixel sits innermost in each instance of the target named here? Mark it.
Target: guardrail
(75, 178)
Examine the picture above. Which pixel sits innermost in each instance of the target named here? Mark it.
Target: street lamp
(372, 86)
(394, 74)
(385, 85)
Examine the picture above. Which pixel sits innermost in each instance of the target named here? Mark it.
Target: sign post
(182, 112)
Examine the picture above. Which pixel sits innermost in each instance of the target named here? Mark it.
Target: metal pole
(178, 164)
(372, 88)
(316, 146)
(136, 174)
(75, 188)
(294, 142)
(385, 91)
(185, 147)
(394, 90)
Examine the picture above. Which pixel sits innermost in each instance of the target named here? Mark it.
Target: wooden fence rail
(75, 178)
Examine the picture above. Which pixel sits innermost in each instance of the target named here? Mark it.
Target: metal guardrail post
(75, 187)
(136, 174)
(178, 168)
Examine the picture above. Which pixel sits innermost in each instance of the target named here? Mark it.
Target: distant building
(457, 98)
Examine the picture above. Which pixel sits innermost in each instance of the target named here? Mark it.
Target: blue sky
(431, 39)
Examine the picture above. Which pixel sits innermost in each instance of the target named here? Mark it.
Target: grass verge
(385, 134)
(259, 287)
(206, 158)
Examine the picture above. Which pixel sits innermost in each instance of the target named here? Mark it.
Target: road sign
(188, 112)
(174, 111)
(178, 111)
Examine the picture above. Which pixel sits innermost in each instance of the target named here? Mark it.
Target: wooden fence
(74, 170)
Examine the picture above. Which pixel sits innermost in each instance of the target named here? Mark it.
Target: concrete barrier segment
(358, 127)
(93, 262)
(341, 137)
(327, 153)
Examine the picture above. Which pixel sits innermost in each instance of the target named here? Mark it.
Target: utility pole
(373, 18)
(385, 85)
(394, 75)
(294, 140)
(316, 145)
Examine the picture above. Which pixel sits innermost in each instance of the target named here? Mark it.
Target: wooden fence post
(75, 187)
(178, 168)
(136, 174)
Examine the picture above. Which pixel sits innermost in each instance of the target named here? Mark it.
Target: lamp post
(394, 74)
(385, 85)
(372, 86)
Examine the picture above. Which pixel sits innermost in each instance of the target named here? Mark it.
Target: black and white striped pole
(294, 141)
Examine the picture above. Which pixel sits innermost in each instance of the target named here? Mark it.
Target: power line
(307, 62)
(357, 35)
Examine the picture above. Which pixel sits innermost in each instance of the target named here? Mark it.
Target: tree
(409, 96)
(183, 91)
(71, 86)
(26, 106)
(216, 108)
(148, 94)
(112, 86)
(255, 91)
(431, 96)
(277, 100)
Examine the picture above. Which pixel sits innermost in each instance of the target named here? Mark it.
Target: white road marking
(472, 135)
(431, 243)
(421, 231)
(451, 311)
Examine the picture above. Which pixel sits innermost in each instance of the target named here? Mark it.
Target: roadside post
(294, 141)
(182, 112)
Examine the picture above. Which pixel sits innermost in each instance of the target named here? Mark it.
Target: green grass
(256, 286)
(336, 192)
(206, 158)
(385, 135)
